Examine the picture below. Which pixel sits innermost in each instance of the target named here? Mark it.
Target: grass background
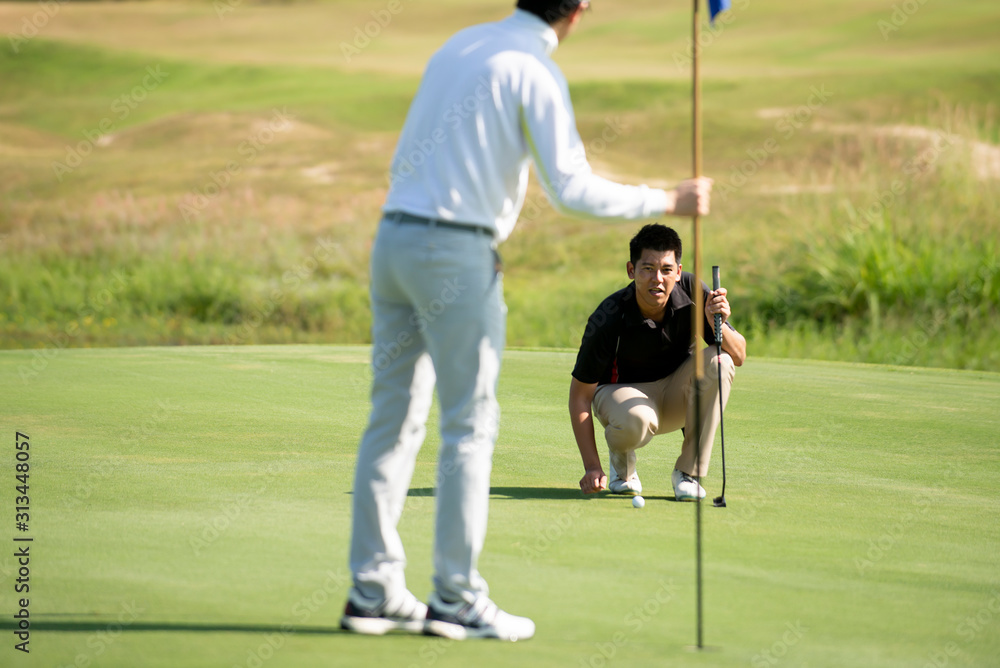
(200, 497)
(110, 253)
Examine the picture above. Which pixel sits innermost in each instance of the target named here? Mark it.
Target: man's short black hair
(549, 11)
(655, 237)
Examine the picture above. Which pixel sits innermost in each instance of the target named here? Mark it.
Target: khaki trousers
(632, 414)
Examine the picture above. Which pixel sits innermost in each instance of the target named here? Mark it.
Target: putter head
(719, 502)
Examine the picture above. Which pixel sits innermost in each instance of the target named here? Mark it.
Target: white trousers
(438, 315)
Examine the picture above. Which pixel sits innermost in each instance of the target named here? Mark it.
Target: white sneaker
(372, 618)
(619, 486)
(480, 619)
(630, 486)
(686, 488)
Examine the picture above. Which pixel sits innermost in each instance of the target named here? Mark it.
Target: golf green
(191, 507)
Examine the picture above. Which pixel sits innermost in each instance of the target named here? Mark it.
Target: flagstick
(697, 330)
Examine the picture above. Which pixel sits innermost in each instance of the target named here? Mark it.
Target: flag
(716, 6)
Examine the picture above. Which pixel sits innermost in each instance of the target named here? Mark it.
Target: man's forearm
(593, 479)
(583, 430)
(581, 399)
(734, 344)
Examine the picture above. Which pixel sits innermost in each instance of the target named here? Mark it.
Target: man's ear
(630, 268)
(679, 265)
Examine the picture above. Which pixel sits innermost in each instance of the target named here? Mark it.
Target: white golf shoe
(374, 618)
(630, 486)
(479, 619)
(616, 485)
(686, 488)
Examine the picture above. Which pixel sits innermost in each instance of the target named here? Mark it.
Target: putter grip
(716, 284)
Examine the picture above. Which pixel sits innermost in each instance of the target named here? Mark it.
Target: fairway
(191, 507)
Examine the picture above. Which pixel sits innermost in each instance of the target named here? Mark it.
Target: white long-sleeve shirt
(490, 101)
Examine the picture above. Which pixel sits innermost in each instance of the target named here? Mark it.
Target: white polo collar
(532, 23)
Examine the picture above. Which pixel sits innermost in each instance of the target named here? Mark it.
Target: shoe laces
(406, 606)
(481, 611)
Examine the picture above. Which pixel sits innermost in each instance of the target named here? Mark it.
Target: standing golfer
(490, 101)
(635, 368)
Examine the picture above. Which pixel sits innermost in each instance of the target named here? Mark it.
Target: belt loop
(395, 216)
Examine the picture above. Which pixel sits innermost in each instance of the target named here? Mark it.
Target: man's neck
(655, 316)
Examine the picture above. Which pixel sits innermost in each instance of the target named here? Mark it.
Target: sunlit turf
(200, 499)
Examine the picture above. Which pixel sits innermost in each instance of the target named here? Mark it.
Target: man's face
(655, 275)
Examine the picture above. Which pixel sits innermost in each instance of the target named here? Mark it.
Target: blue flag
(716, 6)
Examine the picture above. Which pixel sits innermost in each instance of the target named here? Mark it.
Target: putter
(719, 501)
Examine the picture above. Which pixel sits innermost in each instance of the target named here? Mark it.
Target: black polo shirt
(621, 346)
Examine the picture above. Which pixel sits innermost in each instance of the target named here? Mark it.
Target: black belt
(402, 217)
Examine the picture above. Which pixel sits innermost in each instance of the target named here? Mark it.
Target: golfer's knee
(728, 367)
(633, 429)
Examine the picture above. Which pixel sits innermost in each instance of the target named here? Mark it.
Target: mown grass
(200, 497)
(141, 244)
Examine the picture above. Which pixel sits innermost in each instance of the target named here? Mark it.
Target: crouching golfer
(635, 368)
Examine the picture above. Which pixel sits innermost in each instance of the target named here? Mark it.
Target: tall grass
(124, 272)
(853, 242)
(910, 275)
(914, 279)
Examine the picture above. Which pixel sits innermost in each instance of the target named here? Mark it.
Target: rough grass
(191, 222)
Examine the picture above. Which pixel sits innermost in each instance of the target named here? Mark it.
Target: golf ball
(638, 502)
